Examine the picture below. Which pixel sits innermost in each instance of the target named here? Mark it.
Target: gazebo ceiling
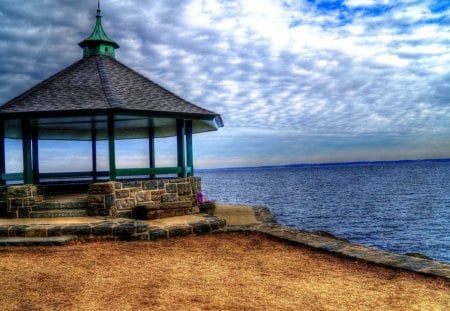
(126, 127)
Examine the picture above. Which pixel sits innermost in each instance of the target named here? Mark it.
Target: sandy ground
(211, 272)
(235, 214)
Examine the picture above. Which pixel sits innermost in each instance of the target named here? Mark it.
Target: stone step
(49, 205)
(38, 241)
(52, 213)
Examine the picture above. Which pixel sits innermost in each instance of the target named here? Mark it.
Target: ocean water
(397, 207)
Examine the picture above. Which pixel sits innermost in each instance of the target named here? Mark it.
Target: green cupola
(98, 43)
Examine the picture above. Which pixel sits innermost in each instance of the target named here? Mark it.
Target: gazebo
(100, 99)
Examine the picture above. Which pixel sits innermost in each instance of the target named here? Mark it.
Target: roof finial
(98, 8)
(98, 43)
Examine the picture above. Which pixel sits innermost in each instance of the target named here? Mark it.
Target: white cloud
(270, 66)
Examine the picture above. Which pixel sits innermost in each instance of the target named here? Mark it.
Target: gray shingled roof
(101, 84)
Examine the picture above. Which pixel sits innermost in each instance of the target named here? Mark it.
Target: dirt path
(214, 272)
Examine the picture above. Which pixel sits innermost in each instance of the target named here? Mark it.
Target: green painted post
(94, 151)
(112, 148)
(26, 151)
(151, 147)
(189, 149)
(2, 152)
(35, 151)
(181, 154)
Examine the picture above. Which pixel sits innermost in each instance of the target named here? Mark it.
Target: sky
(305, 81)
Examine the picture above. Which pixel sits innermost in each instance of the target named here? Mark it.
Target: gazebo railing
(121, 172)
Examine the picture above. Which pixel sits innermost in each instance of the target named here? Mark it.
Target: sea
(403, 207)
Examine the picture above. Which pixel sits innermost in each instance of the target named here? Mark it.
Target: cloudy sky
(295, 81)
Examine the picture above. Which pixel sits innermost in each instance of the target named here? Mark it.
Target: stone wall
(148, 199)
(19, 201)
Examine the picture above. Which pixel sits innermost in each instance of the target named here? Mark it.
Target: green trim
(181, 148)
(111, 148)
(26, 152)
(148, 171)
(12, 176)
(189, 149)
(94, 151)
(151, 147)
(65, 175)
(35, 153)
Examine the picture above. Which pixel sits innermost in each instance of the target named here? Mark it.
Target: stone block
(171, 188)
(110, 201)
(96, 198)
(14, 203)
(175, 205)
(134, 191)
(24, 212)
(38, 198)
(126, 229)
(123, 193)
(125, 204)
(132, 184)
(143, 196)
(184, 189)
(177, 180)
(78, 229)
(4, 230)
(54, 231)
(17, 230)
(19, 191)
(103, 229)
(200, 227)
(101, 188)
(169, 197)
(150, 184)
(141, 226)
(179, 230)
(157, 234)
(36, 232)
(162, 183)
(118, 185)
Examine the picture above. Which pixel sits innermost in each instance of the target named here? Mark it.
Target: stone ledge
(110, 228)
(267, 225)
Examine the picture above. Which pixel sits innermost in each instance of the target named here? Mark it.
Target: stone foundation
(149, 199)
(145, 199)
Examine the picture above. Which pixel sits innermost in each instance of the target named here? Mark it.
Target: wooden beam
(181, 153)
(189, 149)
(35, 152)
(26, 152)
(112, 148)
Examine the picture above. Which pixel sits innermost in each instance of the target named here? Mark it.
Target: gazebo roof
(99, 84)
(64, 105)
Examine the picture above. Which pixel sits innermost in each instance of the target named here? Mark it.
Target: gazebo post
(112, 148)
(94, 151)
(151, 147)
(189, 150)
(181, 154)
(35, 152)
(26, 152)
(2, 152)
